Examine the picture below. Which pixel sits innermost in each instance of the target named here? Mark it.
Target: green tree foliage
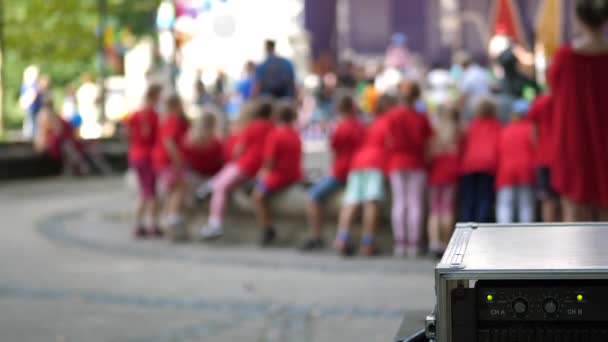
(61, 36)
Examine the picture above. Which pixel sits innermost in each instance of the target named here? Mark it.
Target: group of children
(171, 155)
(460, 169)
(425, 160)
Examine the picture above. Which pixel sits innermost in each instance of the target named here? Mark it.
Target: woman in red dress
(579, 149)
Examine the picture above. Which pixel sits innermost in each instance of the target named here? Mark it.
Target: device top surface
(528, 248)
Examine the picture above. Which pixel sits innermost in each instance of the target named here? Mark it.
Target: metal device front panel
(517, 252)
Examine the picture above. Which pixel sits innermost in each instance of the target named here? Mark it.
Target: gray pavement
(70, 271)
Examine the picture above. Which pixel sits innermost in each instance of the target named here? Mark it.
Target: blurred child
(479, 164)
(541, 115)
(203, 150)
(247, 161)
(345, 140)
(410, 134)
(515, 178)
(56, 137)
(281, 169)
(142, 129)
(365, 184)
(170, 164)
(443, 178)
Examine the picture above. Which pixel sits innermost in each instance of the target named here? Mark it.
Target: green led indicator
(579, 297)
(490, 298)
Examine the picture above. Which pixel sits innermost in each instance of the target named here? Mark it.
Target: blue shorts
(323, 188)
(364, 186)
(262, 188)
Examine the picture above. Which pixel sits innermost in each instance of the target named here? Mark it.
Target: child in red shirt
(281, 168)
(410, 134)
(443, 178)
(479, 164)
(142, 129)
(365, 184)
(203, 150)
(247, 161)
(170, 164)
(515, 177)
(345, 140)
(540, 115)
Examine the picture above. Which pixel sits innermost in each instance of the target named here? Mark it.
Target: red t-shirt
(346, 139)
(59, 135)
(253, 140)
(229, 143)
(445, 166)
(410, 132)
(284, 149)
(172, 127)
(374, 150)
(516, 155)
(480, 152)
(205, 158)
(142, 126)
(540, 114)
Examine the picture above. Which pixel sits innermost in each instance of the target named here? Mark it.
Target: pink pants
(408, 205)
(223, 183)
(441, 199)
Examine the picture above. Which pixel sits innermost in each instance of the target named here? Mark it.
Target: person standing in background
(515, 176)
(365, 184)
(142, 130)
(578, 79)
(443, 178)
(540, 115)
(245, 85)
(30, 99)
(170, 164)
(479, 164)
(86, 97)
(275, 77)
(474, 84)
(409, 138)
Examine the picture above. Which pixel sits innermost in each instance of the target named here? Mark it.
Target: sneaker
(178, 232)
(369, 250)
(344, 247)
(203, 192)
(140, 233)
(399, 251)
(311, 245)
(210, 233)
(156, 232)
(268, 237)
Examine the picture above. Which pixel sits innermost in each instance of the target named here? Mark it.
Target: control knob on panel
(520, 306)
(550, 306)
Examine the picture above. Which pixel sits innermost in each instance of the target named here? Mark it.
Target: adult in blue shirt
(275, 77)
(245, 85)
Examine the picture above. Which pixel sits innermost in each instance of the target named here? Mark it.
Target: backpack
(277, 79)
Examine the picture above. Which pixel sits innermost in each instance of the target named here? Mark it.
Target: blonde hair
(447, 125)
(203, 128)
(246, 114)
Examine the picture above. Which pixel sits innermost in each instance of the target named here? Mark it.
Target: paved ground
(69, 271)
